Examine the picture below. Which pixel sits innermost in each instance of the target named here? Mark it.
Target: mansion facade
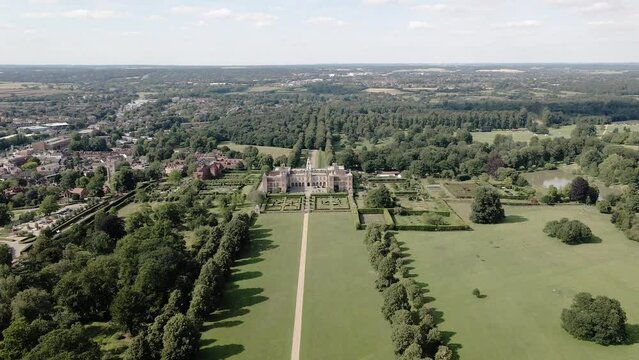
(285, 179)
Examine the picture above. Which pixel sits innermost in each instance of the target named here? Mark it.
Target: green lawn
(528, 278)
(134, 207)
(274, 151)
(256, 319)
(342, 309)
(521, 135)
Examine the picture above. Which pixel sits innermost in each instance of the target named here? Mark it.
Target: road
(299, 300)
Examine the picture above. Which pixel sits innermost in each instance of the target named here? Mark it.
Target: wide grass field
(256, 316)
(342, 317)
(521, 135)
(528, 278)
(274, 151)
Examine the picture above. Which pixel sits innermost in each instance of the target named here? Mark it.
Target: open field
(528, 278)
(342, 309)
(389, 91)
(274, 151)
(134, 207)
(9, 89)
(521, 134)
(256, 316)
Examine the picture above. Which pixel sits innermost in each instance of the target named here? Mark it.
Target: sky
(280, 32)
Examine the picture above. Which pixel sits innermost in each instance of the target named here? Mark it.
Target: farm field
(342, 309)
(528, 278)
(521, 135)
(256, 316)
(274, 151)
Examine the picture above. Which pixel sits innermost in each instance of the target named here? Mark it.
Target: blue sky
(252, 32)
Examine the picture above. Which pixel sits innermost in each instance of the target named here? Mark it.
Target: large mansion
(285, 179)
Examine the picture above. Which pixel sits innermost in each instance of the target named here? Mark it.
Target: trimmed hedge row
(427, 227)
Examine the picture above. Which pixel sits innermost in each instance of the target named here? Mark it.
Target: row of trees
(136, 274)
(414, 329)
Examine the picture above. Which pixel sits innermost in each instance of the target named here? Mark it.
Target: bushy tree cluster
(599, 319)
(569, 231)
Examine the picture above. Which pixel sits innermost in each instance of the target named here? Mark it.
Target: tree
(579, 189)
(139, 349)
(129, 309)
(487, 209)
(569, 231)
(600, 319)
(403, 335)
(48, 205)
(31, 304)
(175, 177)
(20, 337)
(476, 293)
(380, 197)
(444, 353)
(6, 254)
(124, 179)
(412, 352)
(181, 338)
(110, 224)
(5, 214)
(395, 298)
(68, 344)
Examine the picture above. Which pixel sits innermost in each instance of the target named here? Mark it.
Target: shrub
(599, 319)
(569, 231)
(476, 292)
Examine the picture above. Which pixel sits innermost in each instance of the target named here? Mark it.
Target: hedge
(355, 215)
(405, 192)
(397, 211)
(426, 227)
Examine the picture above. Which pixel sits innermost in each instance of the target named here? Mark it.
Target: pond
(559, 178)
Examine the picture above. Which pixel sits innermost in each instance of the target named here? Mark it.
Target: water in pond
(557, 182)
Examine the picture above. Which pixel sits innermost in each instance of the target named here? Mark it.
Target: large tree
(48, 205)
(181, 338)
(486, 208)
(379, 197)
(600, 319)
(5, 215)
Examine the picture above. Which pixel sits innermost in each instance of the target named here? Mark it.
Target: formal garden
(330, 202)
(282, 203)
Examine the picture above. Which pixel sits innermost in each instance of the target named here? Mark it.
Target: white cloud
(522, 24)
(258, 19)
(598, 7)
(217, 14)
(328, 20)
(185, 10)
(89, 14)
(434, 8)
(385, 2)
(43, 2)
(602, 23)
(154, 18)
(416, 25)
(39, 15)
